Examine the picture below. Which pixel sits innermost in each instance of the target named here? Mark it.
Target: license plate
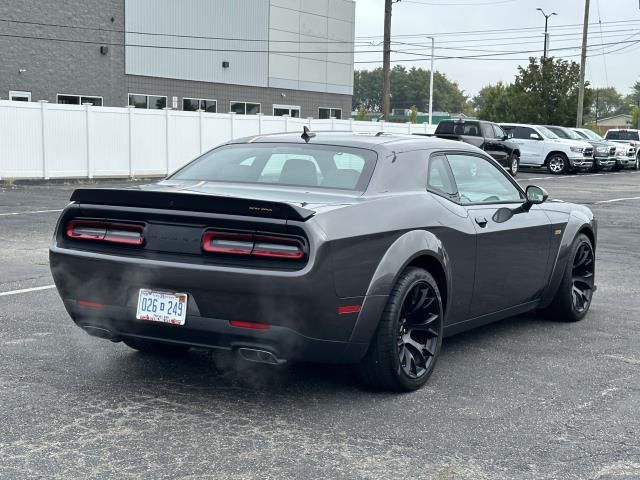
(162, 307)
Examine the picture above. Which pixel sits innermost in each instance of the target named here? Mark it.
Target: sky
(509, 26)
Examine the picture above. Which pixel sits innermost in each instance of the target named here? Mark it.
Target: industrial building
(275, 57)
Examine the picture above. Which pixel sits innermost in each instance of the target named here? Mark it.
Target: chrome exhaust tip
(100, 333)
(260, 356)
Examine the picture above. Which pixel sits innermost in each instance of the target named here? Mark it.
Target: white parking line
(26, 290)
(613, 200)
(29, 213)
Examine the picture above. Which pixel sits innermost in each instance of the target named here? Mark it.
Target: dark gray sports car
(335, 247)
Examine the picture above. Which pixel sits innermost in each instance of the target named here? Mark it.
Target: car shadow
(213, 373)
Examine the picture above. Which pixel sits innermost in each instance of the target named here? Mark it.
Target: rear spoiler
(190, 202)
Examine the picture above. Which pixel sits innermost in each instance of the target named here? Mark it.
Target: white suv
(540, 147)
(629, 141)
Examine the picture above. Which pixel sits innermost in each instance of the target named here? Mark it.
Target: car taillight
(228, 242)
(280, 247)
(240, 243)
(127, 234)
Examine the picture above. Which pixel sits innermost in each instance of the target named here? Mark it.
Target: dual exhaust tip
(249, 354)
(259, 356)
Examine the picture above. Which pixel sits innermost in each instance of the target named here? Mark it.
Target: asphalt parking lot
(524, 398)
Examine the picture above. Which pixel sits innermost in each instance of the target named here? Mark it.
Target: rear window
(458, 128)
(320, 166)
(621, 135)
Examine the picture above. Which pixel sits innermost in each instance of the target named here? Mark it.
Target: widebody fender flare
(405, 250)
(578, 221)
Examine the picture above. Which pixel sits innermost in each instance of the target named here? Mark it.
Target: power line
(500, 30)
(497, 2)
(158, 34)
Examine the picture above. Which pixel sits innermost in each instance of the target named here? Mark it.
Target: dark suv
(487, 136)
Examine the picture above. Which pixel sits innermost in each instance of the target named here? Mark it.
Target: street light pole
(546, 35)
(433, 45)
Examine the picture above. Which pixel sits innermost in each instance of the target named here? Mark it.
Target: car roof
(530, 125)
(372, 141)
(623, 130)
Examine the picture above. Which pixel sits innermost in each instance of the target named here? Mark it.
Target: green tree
(545, 92)
(607, 102)
(413, 114)
(495, 103)
(408, 88)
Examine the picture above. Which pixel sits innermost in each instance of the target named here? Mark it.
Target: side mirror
(535, 196)
(534, 136)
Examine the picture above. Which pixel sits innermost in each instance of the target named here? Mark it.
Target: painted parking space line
(26, 290)
(614, 200)
(10, 214)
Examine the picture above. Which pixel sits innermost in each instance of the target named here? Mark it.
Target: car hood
(573, 143)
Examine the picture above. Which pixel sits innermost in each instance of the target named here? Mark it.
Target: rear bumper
(286, 344)
(301, 308)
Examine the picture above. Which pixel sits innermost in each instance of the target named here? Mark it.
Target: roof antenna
(307, 134)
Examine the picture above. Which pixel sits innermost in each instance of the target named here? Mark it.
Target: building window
(154, 102)
(325, 113)
(20, 96)
(280, 110)
(245, 108)
(194, 104)
(78, 100)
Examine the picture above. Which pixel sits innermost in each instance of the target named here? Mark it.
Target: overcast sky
(448, 19)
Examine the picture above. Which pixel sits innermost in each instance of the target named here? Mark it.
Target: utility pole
(386, 58)
(433, 52)
(583, 64)
(546, 35)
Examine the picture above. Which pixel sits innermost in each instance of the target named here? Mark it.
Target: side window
(487, 131)
(439, 176)
(479, 181)
(524, 133)
(499, 132)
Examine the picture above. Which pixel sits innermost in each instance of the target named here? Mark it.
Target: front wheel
(573, 298)
(636, 166)
(406, 345)
(558, 164)
(514, 165)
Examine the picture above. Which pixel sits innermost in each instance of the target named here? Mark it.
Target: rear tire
(514, 165)
(558, 164)
(573, 298)
(154, 348)
(406, 345)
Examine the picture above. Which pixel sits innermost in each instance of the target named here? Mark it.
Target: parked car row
(558, 149)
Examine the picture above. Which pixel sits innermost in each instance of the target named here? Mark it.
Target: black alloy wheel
(406, 345)
(514, 165)
(558, 164)
(582, 277)
(573, 297)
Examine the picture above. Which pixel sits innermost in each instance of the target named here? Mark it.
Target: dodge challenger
(325, 247)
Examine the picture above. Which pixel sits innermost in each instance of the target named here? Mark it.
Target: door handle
(482, 221)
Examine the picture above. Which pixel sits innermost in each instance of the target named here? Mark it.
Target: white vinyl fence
(41, 140)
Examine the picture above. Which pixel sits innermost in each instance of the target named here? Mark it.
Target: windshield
(547, 133)
(622, 135)
(572, 135)
(591, 134)
(320, 166)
